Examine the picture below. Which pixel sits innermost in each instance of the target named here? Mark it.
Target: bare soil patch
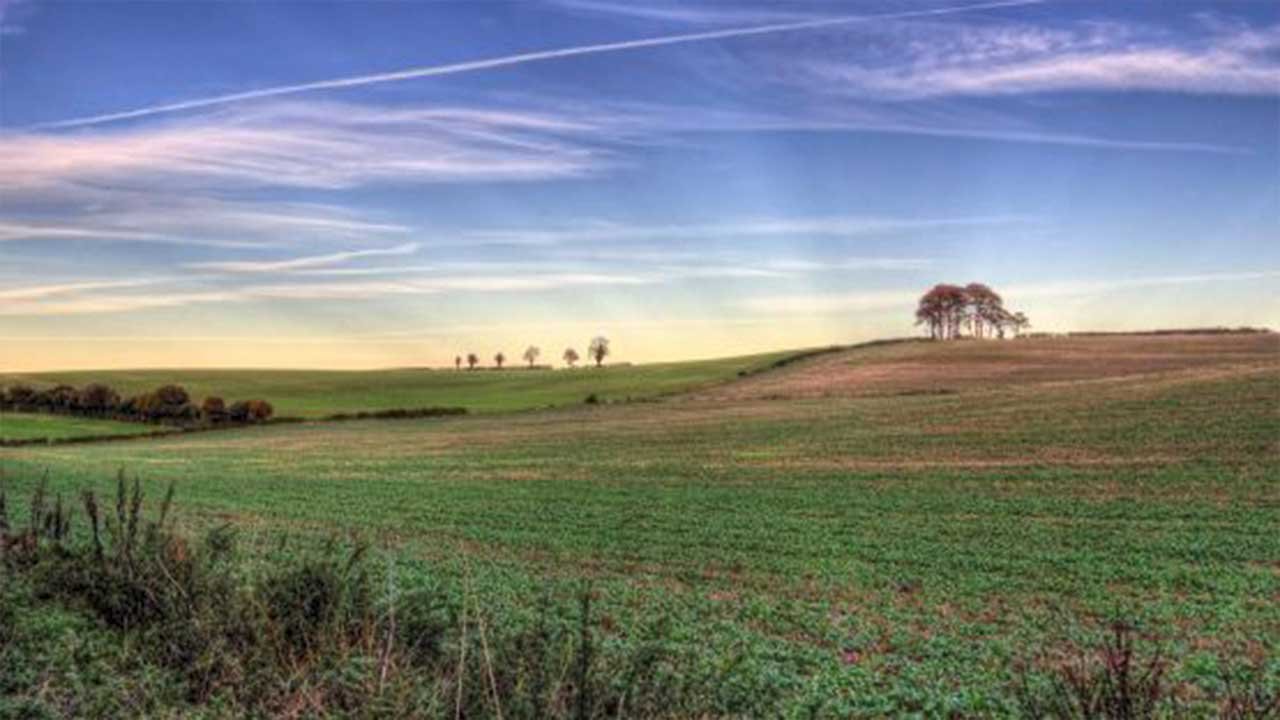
(963, 366)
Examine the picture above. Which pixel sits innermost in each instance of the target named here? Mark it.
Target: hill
(884, 545)
(903, 368)
(318, 393)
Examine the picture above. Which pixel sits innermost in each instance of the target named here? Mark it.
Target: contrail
(520, 59)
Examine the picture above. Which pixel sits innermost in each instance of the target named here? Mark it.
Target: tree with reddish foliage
(948, 309)
(472, 360)
(985, 308)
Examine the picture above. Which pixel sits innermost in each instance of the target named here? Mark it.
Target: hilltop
(905, 528)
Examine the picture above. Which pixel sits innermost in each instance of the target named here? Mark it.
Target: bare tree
(457, 361)
(598, 350)
(499, 359)
(531, 354)
(570, 357)
(472, 360)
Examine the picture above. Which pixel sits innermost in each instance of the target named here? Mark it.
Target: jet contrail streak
(509, 60)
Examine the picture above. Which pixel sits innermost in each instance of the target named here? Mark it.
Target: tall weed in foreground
(323, 636)
(1126, 676)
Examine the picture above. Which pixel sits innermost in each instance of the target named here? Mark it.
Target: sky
(372, 184)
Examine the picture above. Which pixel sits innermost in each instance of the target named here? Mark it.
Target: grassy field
(316, 393)
(875, 547)
(34, 426)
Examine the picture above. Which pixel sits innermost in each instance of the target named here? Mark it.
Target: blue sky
(370, 184)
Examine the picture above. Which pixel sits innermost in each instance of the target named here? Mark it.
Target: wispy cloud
(321, 277)
(7, 27)
(1098, 287)
(320, 146)
(914, 61)
(521, 59)
(820, 303)
(10, 231)
(70, 213)
(301, 263)
(713, 14)
(847, 226)
(41, 292)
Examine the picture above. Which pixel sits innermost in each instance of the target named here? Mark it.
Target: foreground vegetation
(196, 631)
(939, 543)
(320, 393)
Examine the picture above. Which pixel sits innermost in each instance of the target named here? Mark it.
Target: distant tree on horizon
(570, 357)
(1019, 322)
(472, 360)
(499, 359)
(598, 350)
(457, 361)
(531, 354)
(948, 309)
(984, 308)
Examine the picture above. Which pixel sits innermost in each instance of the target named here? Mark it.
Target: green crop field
(898, 544)
(35, 426)
(316, 393)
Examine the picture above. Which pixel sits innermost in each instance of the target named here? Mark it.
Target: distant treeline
(167, 404)
(398, 413)
(1242, 330)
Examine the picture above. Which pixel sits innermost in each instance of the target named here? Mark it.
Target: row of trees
(597, 350)
(951, 310)
(167, 404)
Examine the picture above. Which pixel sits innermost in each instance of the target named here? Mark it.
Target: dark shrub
(173, 395)
(251, 411)
(22, 397)
(97, 399)
(214, 409)
(62, 398)
(166, 403)
(131, 407)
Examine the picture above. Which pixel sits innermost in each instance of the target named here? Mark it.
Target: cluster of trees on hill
(950, 310)
(166, 404)
(597, 351)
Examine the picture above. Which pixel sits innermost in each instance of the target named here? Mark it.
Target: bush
(97, 399)
(22, 397)
(168, 403)
(250, 411)
(399, 413)
(214, 410)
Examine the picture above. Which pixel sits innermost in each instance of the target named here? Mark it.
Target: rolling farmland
(318, 393)
(881, 547)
